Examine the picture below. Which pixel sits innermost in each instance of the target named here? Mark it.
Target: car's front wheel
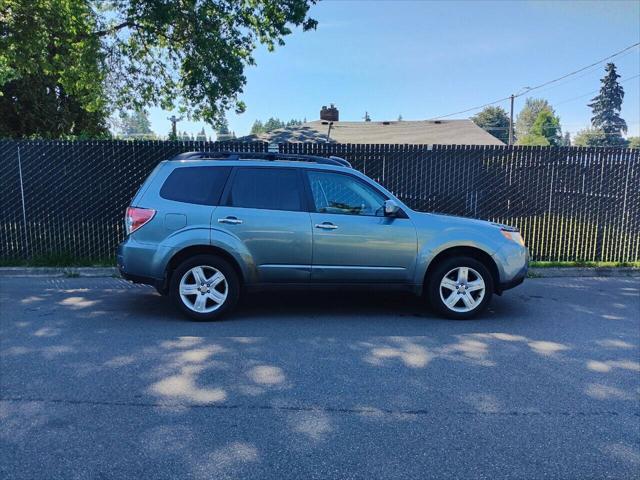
(205, 287)
(460, 288)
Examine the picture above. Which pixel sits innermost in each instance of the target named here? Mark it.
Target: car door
(264, 208)
(353, 241)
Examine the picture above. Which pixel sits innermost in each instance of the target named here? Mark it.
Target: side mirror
(391, 208)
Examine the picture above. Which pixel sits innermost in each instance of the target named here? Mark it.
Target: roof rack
(269, 156)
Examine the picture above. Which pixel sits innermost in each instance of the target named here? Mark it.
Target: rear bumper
(131, 259)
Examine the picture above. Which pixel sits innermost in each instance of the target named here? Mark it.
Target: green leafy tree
(495, 121)
(634, 142)
(87, 56)
(547, 125)
(566, 140)
(534, 140)
(606, 108)
(528, 115)
(590, 137)
(52, 70)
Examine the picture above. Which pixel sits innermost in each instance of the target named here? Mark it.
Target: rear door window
(199, 185)
(267, 188)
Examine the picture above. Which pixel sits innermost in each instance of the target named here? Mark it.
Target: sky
(426, 59)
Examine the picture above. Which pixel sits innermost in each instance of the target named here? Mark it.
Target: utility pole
(329, 132)
(174, 120)
(511, 121)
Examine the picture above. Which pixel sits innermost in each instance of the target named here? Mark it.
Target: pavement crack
(323, 409)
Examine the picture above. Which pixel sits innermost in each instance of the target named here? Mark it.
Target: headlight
(513, 236)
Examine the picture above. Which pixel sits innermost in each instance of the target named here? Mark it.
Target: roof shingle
(430, 132)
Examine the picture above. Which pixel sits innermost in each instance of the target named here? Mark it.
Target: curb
(6, 272)
(551, 272)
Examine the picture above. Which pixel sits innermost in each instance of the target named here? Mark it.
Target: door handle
(230, 220)
(326, 226)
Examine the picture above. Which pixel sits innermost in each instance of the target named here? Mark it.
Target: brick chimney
(330, 114)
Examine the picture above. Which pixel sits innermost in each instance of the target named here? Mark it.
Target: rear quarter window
(200, 185)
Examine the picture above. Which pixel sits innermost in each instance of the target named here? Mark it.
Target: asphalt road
(104, 380)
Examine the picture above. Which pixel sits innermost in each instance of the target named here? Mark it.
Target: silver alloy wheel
(203, 289)
(462, 289)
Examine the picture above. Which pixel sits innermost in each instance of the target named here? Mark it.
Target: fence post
(24, 210)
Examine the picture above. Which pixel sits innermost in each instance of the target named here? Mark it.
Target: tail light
(137, 217)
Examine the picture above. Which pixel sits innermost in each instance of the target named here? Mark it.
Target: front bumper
(517, 278)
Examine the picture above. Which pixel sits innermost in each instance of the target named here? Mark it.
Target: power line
(579, 70)
(473, 108)
(591, 92)
(529, 89)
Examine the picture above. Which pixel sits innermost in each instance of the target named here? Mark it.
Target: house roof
(430, 132)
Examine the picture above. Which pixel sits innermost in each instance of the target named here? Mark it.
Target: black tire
(433, 290)
(232, 286)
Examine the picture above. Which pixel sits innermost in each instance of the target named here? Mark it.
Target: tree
(527, 116)
(135, 125)
(547, 125)
(495, 121)
(257, 128)
(532, 139)
(566, 140)
(273, 123)
(52, 70)
(590, 137)
(400, 117)
(606, 108)
(129, 54)
(223, 132)
(634, 142)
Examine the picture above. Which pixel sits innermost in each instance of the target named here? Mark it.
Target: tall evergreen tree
(135, 125)
(606, 108)
(257, 128)
(202, 136)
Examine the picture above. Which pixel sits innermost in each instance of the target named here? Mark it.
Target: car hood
(454, 221)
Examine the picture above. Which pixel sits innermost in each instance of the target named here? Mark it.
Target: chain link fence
(67, 199)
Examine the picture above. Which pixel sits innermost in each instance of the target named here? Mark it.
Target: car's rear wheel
(460, 288)
(205, 287)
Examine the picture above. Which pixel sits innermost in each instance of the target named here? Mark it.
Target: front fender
(431, 247)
